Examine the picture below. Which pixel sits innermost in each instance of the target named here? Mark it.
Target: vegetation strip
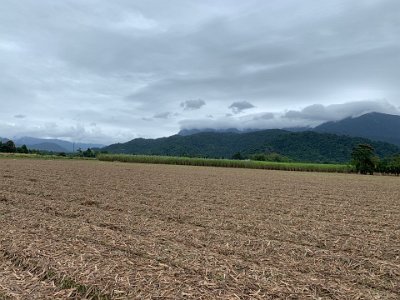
(227, 163)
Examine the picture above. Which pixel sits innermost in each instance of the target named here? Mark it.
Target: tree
(23, 149)
(8, 147)
(364, 159)
(89, 153)
(237, 156)
(394, 165)
(390, 165)
(79, 152)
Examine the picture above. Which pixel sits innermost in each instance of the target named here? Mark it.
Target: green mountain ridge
(374, 126)
(300, 146)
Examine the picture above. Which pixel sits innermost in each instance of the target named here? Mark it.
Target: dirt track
(123, 231)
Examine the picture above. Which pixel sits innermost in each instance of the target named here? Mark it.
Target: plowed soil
(98, 230)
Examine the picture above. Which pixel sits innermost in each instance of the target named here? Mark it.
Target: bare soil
(99, 230)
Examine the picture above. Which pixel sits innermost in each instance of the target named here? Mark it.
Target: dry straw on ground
(93, 230)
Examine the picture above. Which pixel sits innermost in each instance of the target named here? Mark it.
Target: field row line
(48, 274)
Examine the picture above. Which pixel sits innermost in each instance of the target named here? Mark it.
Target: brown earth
(98, 230)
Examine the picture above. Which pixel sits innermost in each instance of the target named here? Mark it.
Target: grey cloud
(238, 107)
(19, 116)
(313, 67)
(193, 104)
(163, 115)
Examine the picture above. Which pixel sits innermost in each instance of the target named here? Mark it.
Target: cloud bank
(309, 116)
(334, 112)
(136, 68)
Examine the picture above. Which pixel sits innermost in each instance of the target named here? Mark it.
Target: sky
(109, 71)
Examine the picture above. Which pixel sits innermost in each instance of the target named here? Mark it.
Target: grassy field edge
(210, 162)
(41, 156)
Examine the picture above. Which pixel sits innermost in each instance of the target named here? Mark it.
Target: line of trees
(363, 158)
(366, 161)
(9, 147)
(87, 153)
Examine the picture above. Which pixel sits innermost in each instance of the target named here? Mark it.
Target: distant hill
(51, 147)
(374, 126)
(209, 144)
(299, 146)
(55, 144)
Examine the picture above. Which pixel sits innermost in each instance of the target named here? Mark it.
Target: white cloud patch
(264, 116)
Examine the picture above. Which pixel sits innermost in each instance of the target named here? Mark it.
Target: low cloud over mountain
(312, 115)
(334, 112)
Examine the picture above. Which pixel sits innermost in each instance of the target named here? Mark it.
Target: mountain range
(299, 146)
(374, 126)
(52, 145)
(329, 142)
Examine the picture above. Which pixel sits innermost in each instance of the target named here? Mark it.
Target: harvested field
(100, 230)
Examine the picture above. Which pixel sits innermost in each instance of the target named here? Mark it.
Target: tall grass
(250, 164)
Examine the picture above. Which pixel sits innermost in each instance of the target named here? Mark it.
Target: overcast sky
(107, 71)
